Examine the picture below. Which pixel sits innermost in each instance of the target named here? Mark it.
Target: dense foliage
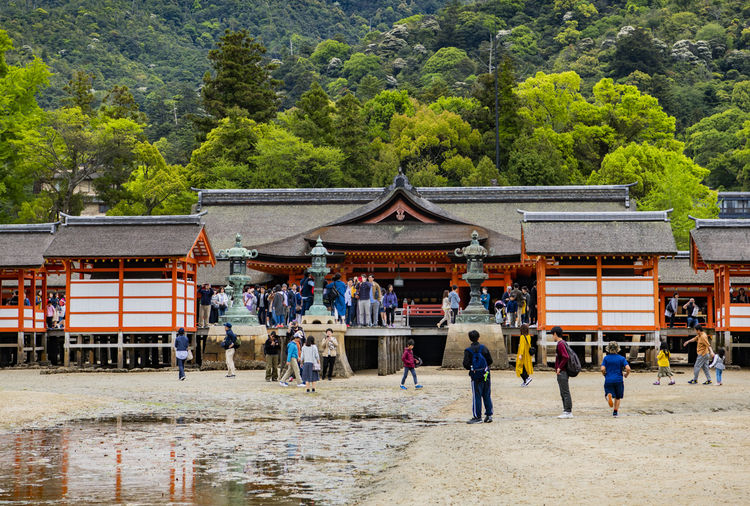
(147, 98)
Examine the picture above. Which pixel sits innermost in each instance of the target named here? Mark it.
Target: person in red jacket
(561, 361)
(409, 364)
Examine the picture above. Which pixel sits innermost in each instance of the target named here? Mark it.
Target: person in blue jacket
(292, 361)
(181, 346)
(338, 298)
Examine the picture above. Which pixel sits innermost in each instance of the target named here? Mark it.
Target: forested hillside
(230, 93)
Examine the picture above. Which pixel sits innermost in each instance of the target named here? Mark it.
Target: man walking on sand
(477, 359)
(561, 361)
(703, 348)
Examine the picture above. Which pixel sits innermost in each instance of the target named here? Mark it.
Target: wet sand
(686, 443)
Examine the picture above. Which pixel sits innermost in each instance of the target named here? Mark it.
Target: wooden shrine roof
(23, 246)
(603, 233)
(722, 240)
(130, 237)
(386, 236)
(676, 270)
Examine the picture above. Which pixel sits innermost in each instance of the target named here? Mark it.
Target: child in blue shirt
(613, 366)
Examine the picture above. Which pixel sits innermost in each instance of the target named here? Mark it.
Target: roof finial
(401, 181)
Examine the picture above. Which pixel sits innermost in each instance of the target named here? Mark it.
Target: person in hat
(613, 366)
(181, 346)
(229, 344)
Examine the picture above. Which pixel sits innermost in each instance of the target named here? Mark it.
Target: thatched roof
(723, 240)
(125, 236)
(438, 195)
(676, 270)
(23, 246)
(619, 233)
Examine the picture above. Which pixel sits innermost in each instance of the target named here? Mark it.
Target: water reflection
(196, 461)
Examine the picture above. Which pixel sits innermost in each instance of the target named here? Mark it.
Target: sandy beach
(685, 443)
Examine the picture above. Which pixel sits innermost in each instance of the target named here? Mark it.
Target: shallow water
(305, 460)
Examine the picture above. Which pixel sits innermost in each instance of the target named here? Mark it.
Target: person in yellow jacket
(663, 362)
(524, 367)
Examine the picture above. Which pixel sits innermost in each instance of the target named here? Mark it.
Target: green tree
(312, 118)
(636, 51)
(359, 65)
(305, 165)
(380, 110)
(19, 114)
(79, 92)
(328, 49)
(223, 159)
(714, 142)
(484, 174)
(72, 148)
(154, 187)
(368, 87)
(241, 79)
(664, 179)
(434, 139)
(119, 103)
(352, 138)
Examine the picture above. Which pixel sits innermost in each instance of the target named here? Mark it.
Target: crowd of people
(361, 301)
(54, 307)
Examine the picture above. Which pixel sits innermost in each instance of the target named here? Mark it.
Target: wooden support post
(728, 346)
(634, 349)
(45, 355)
(20, 357)
(541, 340)
(382, 356)
(599, 349)
(66, 350)
(587, 355)
(651, 351)
(172, 355)
(120, 357)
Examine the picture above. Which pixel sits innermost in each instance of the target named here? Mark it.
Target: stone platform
(490, 335)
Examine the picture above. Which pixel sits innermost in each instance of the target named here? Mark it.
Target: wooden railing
(422, 310)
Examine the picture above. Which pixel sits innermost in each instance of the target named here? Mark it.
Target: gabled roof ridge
(391, 194)
(29, 228)
(587, 216)
(184, 219)
(721, 222)
(436, 194)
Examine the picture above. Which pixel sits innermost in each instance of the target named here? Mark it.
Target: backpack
(479, 368)
(573, 367)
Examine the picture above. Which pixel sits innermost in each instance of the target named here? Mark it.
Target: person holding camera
(271, 350)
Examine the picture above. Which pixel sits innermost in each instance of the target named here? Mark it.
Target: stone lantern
(475, 253)
(318, 270)
(237, 313)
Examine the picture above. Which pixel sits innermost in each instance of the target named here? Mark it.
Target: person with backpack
(336, 292)
(613, 366)
(524, 367)
(477, 359)
(563, 355)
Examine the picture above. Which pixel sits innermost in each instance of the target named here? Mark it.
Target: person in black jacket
(229, 344)
(271, 350)
(477, 359)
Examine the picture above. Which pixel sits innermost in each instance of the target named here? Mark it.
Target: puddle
(303, 460)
